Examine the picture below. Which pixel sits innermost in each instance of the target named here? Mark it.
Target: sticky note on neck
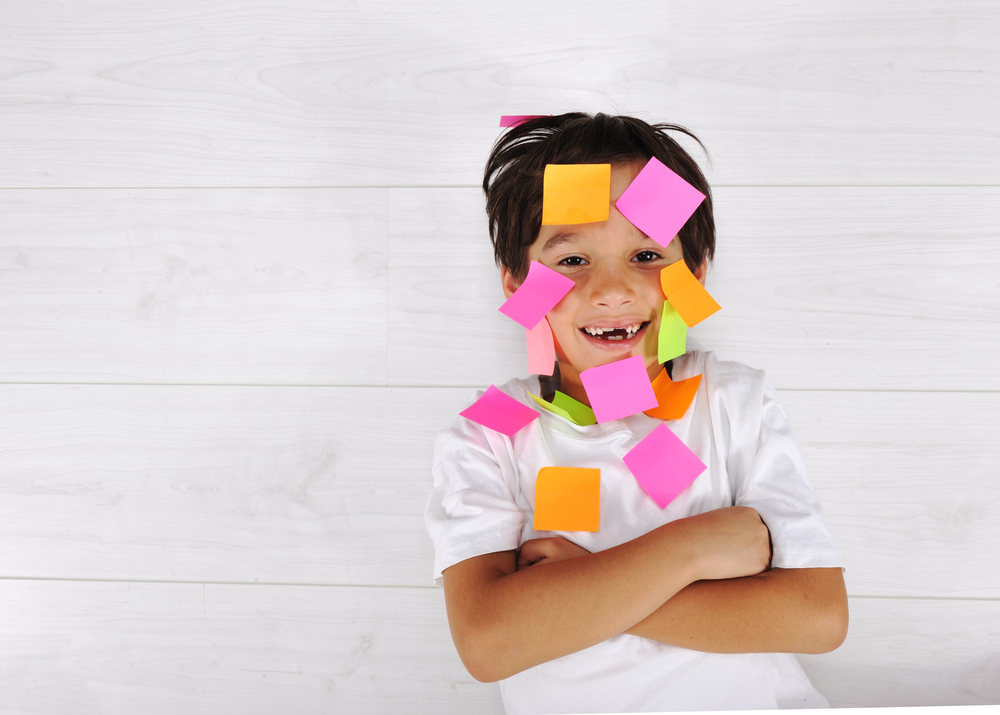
(499, 412)
(576, 193)
(567, 499)
(672, 341)
(686, 294)
(673, 398)
(568, 408)
(618, 389)
(541, 290)
(663, 465)
(659, 202)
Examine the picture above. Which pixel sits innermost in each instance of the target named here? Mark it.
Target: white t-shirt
(483, 502)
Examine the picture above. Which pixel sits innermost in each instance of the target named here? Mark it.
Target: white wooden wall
(245, 277)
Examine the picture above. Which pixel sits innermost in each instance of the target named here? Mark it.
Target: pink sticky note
(541, 349)
(539, 293)
(658, 202)
(499, 411)
(663, 465)
(512, 120)
(619, 389)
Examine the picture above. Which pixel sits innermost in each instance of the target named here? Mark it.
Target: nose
(611, 286)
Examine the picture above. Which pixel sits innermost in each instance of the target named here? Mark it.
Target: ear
(701, 272)
(507, 282)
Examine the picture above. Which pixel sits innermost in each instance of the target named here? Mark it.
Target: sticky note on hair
(672, 341)
(512, 120)
(567, 499)
(658, 202)
(499, 412)
(673, 398)
(663, 465)
(686, 294)
(541, 290)
(568, 408)
(618, 389)
(576, 193)
(541, 349)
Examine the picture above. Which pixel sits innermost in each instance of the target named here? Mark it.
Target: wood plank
(193, 286)
(311, 93)
(828, 288)
(109, 648)
(328, 485)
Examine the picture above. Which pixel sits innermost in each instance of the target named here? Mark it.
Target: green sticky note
(673, 334)
(568, 408)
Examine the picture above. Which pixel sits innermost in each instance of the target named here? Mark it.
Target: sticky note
(674, 398)
(576, 193)
(686, 293)
(567, 499)
(618, 389)
(541, 349)
(663, 465)
(512, 120)
(499, 411)
(658, 202)
(541, 290)
(568, 408)
(673, 334)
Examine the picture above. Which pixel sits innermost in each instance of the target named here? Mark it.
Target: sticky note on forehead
(500, 412)
(663, 465)
(576, 193)
(658, 202)
(541, 290)
(688, 296)
(567, 499)
(618, 389)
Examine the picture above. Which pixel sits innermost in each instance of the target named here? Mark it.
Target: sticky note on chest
(659, 202)
(567, 499)
(686, 294)
(576, 193)
(673, 398)
(663, 465)
(618, 389)
(537, 295)
(499, 412)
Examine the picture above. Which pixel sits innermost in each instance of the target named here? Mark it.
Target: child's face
(616, 269)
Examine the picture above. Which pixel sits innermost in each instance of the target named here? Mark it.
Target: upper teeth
(634, 328)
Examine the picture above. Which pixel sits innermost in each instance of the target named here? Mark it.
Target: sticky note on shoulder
(618, 389)
(567, 499)
(499, 412)
(659, 202)
(576, 193)
(541, 290)
(686, 294)
(663, 465)
(673, 398)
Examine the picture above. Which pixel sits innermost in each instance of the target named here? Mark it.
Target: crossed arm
(700, 583)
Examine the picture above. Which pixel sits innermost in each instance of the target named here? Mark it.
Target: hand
(547, 551)
(732, 542)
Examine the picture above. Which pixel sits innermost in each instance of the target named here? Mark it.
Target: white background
(245, 277)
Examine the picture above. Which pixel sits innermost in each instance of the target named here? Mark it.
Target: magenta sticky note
(541, 349)
(512, 120)
(658, 202)
(619, 389)
(539, 293)
(499, 411)
(663, 465)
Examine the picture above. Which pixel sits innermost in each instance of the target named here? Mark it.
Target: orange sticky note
(674, 398)
(689, 297)
(567, 499)
(576, 193)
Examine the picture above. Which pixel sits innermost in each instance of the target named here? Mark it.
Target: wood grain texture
(189, 286)
(828, 288)
(122, 648)
(330, 94)
(328, 485)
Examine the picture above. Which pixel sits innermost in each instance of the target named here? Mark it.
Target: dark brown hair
(515, 170)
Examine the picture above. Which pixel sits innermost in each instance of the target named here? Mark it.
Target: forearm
(782, 610)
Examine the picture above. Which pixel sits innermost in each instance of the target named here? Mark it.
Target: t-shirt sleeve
(775, 483)
(472, 508)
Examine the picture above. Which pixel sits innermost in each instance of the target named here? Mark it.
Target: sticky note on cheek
(576, 193)
(659, 202)
(499, 412)
(541, 349)
(686, 294)
(663, 465)
(567, 499)
(672, 341)
(541, 290)
(618, 389)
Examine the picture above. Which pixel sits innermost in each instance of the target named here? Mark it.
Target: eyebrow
(559, 239)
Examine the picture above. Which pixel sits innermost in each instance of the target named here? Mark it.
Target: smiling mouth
(613, 334)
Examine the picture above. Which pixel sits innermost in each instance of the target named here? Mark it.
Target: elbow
(829, 627)
(480, 654)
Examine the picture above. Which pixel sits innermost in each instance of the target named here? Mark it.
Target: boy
(680, 608)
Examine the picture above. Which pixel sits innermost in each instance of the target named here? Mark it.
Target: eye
(646, 256)
(572, 261)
